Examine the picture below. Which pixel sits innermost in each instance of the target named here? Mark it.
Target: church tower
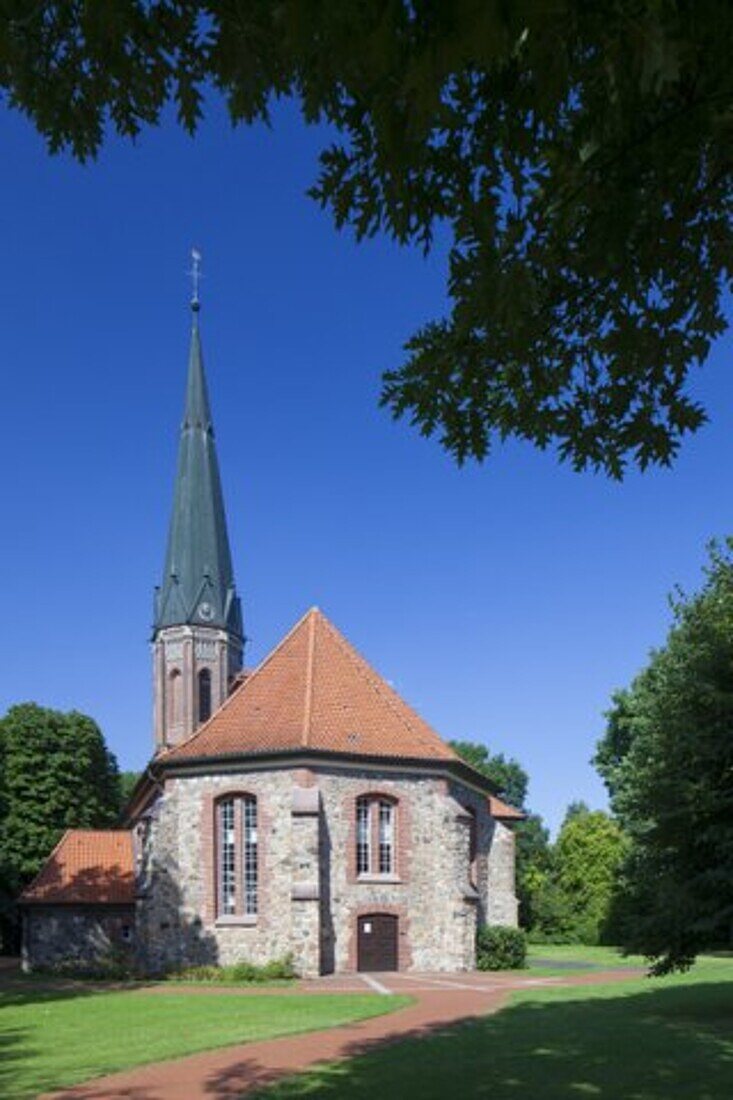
(197, 632)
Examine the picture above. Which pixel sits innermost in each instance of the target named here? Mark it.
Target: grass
(646, 1039)
(562, 960)
(52, 1038)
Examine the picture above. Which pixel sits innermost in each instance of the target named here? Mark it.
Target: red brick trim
(403, 829)
(404, 949)
(209, 856)
(207, 833)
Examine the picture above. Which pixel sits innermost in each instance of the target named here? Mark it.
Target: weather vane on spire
(196, 277)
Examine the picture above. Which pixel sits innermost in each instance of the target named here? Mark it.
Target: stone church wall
(430, 890)
(310, 896)
(176, 915)
(502, 905)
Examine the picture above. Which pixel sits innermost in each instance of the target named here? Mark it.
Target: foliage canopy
(587, 856)
(56, 774)
(575, 895)
(667, 760)
(578, 156)
(508, 774)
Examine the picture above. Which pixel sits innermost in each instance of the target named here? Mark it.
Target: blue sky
(505, 602)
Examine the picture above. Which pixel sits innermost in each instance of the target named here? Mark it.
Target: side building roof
(87, 867)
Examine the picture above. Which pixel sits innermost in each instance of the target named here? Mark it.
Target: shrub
(500, 948)
(241, 973)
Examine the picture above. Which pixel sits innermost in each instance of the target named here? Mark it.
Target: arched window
(175, 697)
(237, 862)
(375, 835)
(204, 679)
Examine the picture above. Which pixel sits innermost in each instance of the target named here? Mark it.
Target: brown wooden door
(377, 942)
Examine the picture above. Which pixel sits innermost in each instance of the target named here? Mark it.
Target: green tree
(587, 858)
(576, 809)
(128, 781)
(508, 775)
(575, 896)
(552, 919)
(533, 866)
(667, 760)
(576, 156)
(56, 774)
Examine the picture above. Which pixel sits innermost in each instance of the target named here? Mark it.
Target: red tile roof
(314, 691)
(86, 867)
(503, 811)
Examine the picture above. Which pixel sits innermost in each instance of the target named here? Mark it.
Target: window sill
(235, 922)
(380, 879)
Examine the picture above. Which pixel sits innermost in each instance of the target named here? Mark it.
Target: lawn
(563, 959)
(53, 1038)
(648, 1039)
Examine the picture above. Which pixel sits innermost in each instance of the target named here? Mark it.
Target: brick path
(440, 1000)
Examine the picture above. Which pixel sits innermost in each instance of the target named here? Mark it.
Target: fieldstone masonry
(502, 902)
(79, 935)
(309, 894)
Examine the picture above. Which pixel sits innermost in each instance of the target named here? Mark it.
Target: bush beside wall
(499, 948)
(242, 972)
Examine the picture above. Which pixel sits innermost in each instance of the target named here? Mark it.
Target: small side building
(81, 905)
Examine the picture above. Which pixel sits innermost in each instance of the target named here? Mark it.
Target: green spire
(198, 580)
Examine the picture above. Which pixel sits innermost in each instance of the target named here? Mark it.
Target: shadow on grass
(663, 1044)
(40, 989)
(13, 1050)
(17, 1044)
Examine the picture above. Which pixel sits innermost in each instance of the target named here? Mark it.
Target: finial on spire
(195, 274)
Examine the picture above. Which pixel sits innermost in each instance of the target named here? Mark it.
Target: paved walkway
(226, 1074)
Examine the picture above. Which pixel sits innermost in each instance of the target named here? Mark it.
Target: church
(299, 809)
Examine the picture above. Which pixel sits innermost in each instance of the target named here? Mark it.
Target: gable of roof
(87, 867)
(314, 692)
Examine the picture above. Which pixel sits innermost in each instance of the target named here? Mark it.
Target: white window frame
(376, 836)
(237, 857)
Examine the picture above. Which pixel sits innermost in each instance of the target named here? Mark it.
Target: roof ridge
(377, 682)
(310, 660)
(107, 832)
(27, 889)
(280, 706)
(238, 693)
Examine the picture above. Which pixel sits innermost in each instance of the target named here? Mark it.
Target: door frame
(404, 954)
